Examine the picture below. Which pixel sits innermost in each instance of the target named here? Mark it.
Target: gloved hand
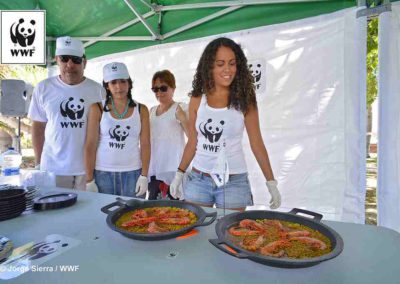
(141, 186)
(92, 186)
(175, 188)
(275, 201)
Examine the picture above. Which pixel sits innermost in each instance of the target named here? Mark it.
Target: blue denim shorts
(117, 183)
(200, 188)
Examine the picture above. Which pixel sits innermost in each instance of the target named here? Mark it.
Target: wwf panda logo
(118, 133)
(212, 131)
(23, 33)
(73, 108)
(256, 72)
(39, 250)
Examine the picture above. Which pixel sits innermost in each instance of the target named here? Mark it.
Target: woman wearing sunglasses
(115, 163)
(168, 123)
(222, 104)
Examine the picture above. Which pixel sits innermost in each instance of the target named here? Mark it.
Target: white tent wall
(389, 119)
(311, 106)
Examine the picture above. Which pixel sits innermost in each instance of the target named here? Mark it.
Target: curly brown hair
(242, 93)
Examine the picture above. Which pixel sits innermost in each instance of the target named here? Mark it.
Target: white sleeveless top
(118, 149)
(214, 125)
(167, 144)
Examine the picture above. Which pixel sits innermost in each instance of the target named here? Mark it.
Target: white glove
(92, 186)
(141, 186)
(175, 188)
(275, 201)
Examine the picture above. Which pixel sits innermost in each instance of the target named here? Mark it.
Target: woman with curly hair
(223, 103)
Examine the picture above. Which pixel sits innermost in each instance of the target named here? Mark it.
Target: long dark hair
(108, 95)
(242, 93)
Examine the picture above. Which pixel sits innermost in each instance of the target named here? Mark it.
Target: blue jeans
(117, 183)
(200, 188)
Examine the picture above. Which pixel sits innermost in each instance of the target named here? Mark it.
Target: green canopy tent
(111, 26)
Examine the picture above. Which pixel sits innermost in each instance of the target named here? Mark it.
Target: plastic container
(11, 162)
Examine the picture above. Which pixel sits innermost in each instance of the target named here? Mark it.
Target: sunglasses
(74, 59)
(162, 89)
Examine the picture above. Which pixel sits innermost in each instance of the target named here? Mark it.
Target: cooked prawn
(252, 225)
(275, 248)
(154, 228)
(139, 222)
(252, 244)
(239, 231)
(312, 242)
(139, 213)
(273, 223)
(174, 221)
(292, 234)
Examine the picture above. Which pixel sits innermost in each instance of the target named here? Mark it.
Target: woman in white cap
(115, 163)
(168, 123)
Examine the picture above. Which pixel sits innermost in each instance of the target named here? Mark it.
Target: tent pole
(114, 38)
(374, 11)
(147, 4)
(120, 28)
(228, 4)
(146, 24)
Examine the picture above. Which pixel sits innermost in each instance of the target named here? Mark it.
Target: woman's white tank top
(118, 149)
(167, 144)
(215, 125)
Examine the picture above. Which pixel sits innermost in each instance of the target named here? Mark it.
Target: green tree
(372, 72)
(372, 61)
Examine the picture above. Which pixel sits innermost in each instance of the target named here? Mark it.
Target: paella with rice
(281, 239)
(155, 220)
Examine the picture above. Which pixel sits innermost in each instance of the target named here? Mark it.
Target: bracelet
(180, 170)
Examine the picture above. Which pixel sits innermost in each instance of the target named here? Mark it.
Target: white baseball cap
(69, 46)
(114, 71)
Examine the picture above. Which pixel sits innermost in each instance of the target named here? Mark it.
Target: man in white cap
(59, 111)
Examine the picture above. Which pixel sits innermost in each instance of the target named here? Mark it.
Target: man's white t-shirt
(64, 108)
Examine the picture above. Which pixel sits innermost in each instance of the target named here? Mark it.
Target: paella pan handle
(317, 216)
(105, 208)
(213, 216)
(224, 247)
(130, 202)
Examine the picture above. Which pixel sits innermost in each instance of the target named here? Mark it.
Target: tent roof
(110, 26)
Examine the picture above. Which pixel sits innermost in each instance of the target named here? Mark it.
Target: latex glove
(92, 186)
(141, 186)
(275, 201)
(175, 188)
